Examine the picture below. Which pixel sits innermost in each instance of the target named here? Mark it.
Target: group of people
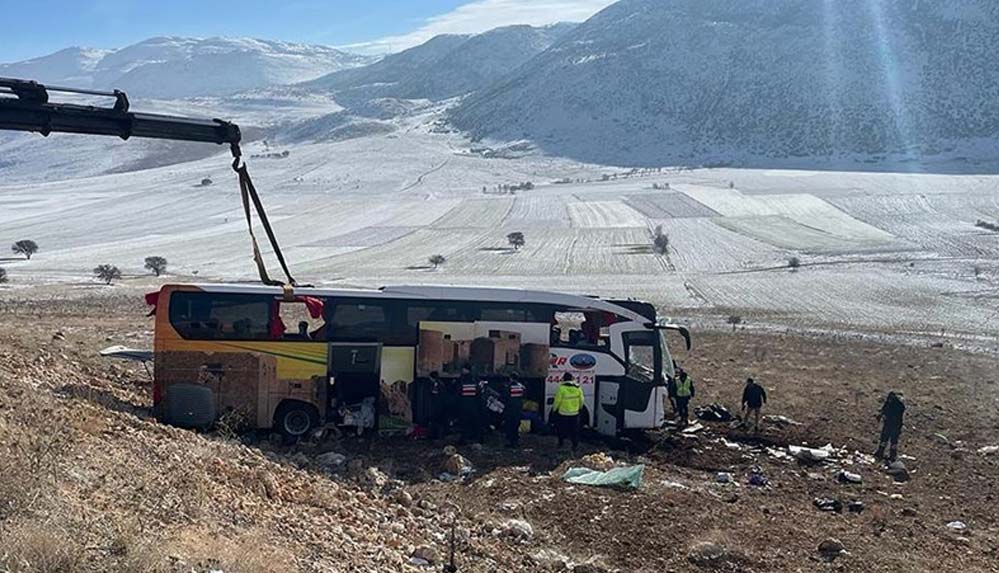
(680, 390)
(474, 405)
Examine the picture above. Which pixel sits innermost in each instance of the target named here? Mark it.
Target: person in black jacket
(754, 397)
(513, 409)
(891, 414)
(469, 406)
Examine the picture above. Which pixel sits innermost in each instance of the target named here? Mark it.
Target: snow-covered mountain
(444, 67)
(173, 67)
(71, 66)
(662, 81)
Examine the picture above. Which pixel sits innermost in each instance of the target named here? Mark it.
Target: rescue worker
(754, 397)
(438, 407)
(891, 414)
(566, 410)
(513, 410)
(684, 392)
(469, 406)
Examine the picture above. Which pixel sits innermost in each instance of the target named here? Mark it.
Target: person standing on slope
(513, 410)
(469, 406)
(684, 393)
(566, 410)
(891, 414)
(754, 397)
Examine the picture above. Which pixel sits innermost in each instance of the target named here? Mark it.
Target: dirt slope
(88, 482)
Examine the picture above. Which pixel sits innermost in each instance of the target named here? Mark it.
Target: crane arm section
(25, 106)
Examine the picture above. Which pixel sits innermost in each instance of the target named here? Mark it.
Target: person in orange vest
(513, 410)
(566, 410)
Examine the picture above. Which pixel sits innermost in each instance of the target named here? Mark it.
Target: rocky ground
(89, 482)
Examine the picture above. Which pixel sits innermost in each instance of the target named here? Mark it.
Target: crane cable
(249, 194)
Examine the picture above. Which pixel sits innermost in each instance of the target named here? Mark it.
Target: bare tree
(25, 247)
(157, 265)
(735, 320)
(107, 273)
(437, 260)
(794, 263)
(3, 275)
(516, 240)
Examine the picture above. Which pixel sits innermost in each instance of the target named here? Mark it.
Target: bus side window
(359, 322)
(210, 316)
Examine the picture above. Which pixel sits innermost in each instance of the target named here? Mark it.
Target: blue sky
(38, 27)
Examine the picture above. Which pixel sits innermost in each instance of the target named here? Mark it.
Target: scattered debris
(898, 471)
(709, 554)
(517, 529)
(828, 504)
(849, 477)
(331, 460)
(458, 465)
(957, 526)
(831, 548)
(756, 477)
(723, 477)
(988, 450)
(673, 484)
(731, 445)
(780, 421)
(629, 477)
(427, 553)
(598, 461)
(692, 429)
(714, 413)
(805, 454)
(855, 506)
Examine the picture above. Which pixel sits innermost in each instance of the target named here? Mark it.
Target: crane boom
(30, 110)
(25, 106)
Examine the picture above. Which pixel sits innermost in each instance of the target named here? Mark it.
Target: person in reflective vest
(513, 410)
(469, 407)
(684, 392)
(566, 409)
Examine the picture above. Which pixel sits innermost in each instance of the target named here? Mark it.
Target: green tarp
(626, 477)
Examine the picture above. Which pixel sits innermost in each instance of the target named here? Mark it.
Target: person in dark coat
(438, 407)
(754, 397)
(469, 406)
(513, 410)
(891, 414)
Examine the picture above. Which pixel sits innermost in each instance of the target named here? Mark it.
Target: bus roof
(569, 302)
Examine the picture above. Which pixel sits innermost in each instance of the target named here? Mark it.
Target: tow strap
(248, 193)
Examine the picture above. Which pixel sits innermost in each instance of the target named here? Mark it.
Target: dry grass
(39, 548)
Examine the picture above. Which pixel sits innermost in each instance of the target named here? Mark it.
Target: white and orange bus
(295, 361)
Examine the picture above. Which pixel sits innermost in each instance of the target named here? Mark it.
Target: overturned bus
(294, 361)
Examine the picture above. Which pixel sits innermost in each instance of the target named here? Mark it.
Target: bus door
(642, 393)
(355, 371)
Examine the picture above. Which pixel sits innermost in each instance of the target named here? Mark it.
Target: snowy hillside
(444, 67)
(172, 67)
(68, 67)
(756, 82)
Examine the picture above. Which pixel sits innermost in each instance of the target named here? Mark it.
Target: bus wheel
(294, 419)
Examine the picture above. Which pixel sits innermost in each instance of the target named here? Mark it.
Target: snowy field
(878, 252)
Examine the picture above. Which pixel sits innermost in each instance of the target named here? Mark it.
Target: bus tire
(294, 419)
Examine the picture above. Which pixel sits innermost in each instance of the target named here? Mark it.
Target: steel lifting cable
(249, 195)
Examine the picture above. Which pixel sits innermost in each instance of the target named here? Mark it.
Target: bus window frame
(186, 333)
